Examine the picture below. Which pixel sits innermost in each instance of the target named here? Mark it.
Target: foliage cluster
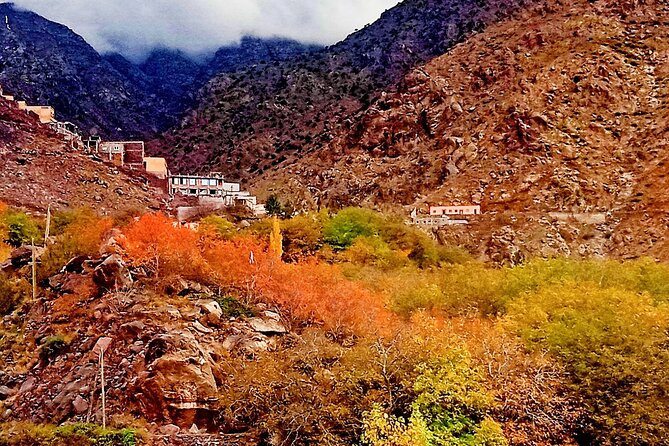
(18, 228)
(321, 392)
(24, 434)
(13, 291)
(78, 232)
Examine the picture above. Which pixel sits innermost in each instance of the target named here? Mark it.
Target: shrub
(20, 229)
(219, 227)
(80, 232)
(451, 407)
(342, 230)
(157, 244)
(613, 344)
(373, 251)
(303, 235)
(79, 434)
(234, 308)
(12, 293)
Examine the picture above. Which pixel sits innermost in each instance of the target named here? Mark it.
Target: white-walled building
(446, 211)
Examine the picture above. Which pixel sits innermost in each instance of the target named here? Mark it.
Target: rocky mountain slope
(38, 169)
(253, 119)
(562, 109)
(47, 63)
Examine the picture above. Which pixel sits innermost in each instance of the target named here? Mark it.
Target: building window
(192, 191)
(192, 181)
(212, 192)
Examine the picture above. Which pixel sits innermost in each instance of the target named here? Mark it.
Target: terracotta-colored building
(123, 153)
(45, 113)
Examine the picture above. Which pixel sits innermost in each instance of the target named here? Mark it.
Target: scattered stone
(170, 430)
(80, 405)
(112, 274)
(267, 327)
(6, 392)
(133, 329)
(28, 385)
(201, 328)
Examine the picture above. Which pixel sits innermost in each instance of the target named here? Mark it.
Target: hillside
(251, 120)
(562, 109)
(38, 169)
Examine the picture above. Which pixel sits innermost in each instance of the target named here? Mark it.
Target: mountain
(44, 62)
(554, 121)
(38, 170)
(253, 119)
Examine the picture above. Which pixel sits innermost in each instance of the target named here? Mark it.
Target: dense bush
(78, 232)
(12, 293)
(66, 435)
(347, 225)
(19, 228)
(614, 345)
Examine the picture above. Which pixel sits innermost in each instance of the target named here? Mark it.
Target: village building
(156, 167)
(45, 113)
(213, 185)
(446, 211)
(123, 153)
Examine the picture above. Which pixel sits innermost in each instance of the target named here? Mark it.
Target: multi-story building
(213, 185)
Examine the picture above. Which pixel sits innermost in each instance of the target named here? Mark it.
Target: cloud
(198, 26)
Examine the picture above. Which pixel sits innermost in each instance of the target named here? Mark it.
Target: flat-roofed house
(45, 113)
(213, 185)
(445, 211)
(123, 153)
(157, 167)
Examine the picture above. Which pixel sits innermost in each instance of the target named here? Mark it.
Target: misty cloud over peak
(133, 27)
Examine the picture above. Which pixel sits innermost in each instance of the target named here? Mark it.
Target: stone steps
(202, 440)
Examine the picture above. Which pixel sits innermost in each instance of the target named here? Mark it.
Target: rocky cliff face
(562, 109)
(252, 120)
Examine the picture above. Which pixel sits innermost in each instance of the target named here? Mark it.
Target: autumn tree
(155, 242)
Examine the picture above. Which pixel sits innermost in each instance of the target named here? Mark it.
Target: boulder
(132, 330)
(6, 392)
(80, 405)
(212, 312)
(268, 327)
(181, 378)
(112, 274)
(21, 257)
(170, 430)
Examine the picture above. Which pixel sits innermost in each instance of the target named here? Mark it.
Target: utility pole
(100, 348)
(48, 225)
(34, 256)
(102, 382)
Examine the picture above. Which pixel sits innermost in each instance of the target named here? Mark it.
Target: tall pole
(102, 382)
(48, 225)
(34, 256)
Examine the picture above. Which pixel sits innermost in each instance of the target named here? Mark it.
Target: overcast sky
(196, 26)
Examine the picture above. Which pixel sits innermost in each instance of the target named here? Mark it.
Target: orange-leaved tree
(157, 243)
(309, 292)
